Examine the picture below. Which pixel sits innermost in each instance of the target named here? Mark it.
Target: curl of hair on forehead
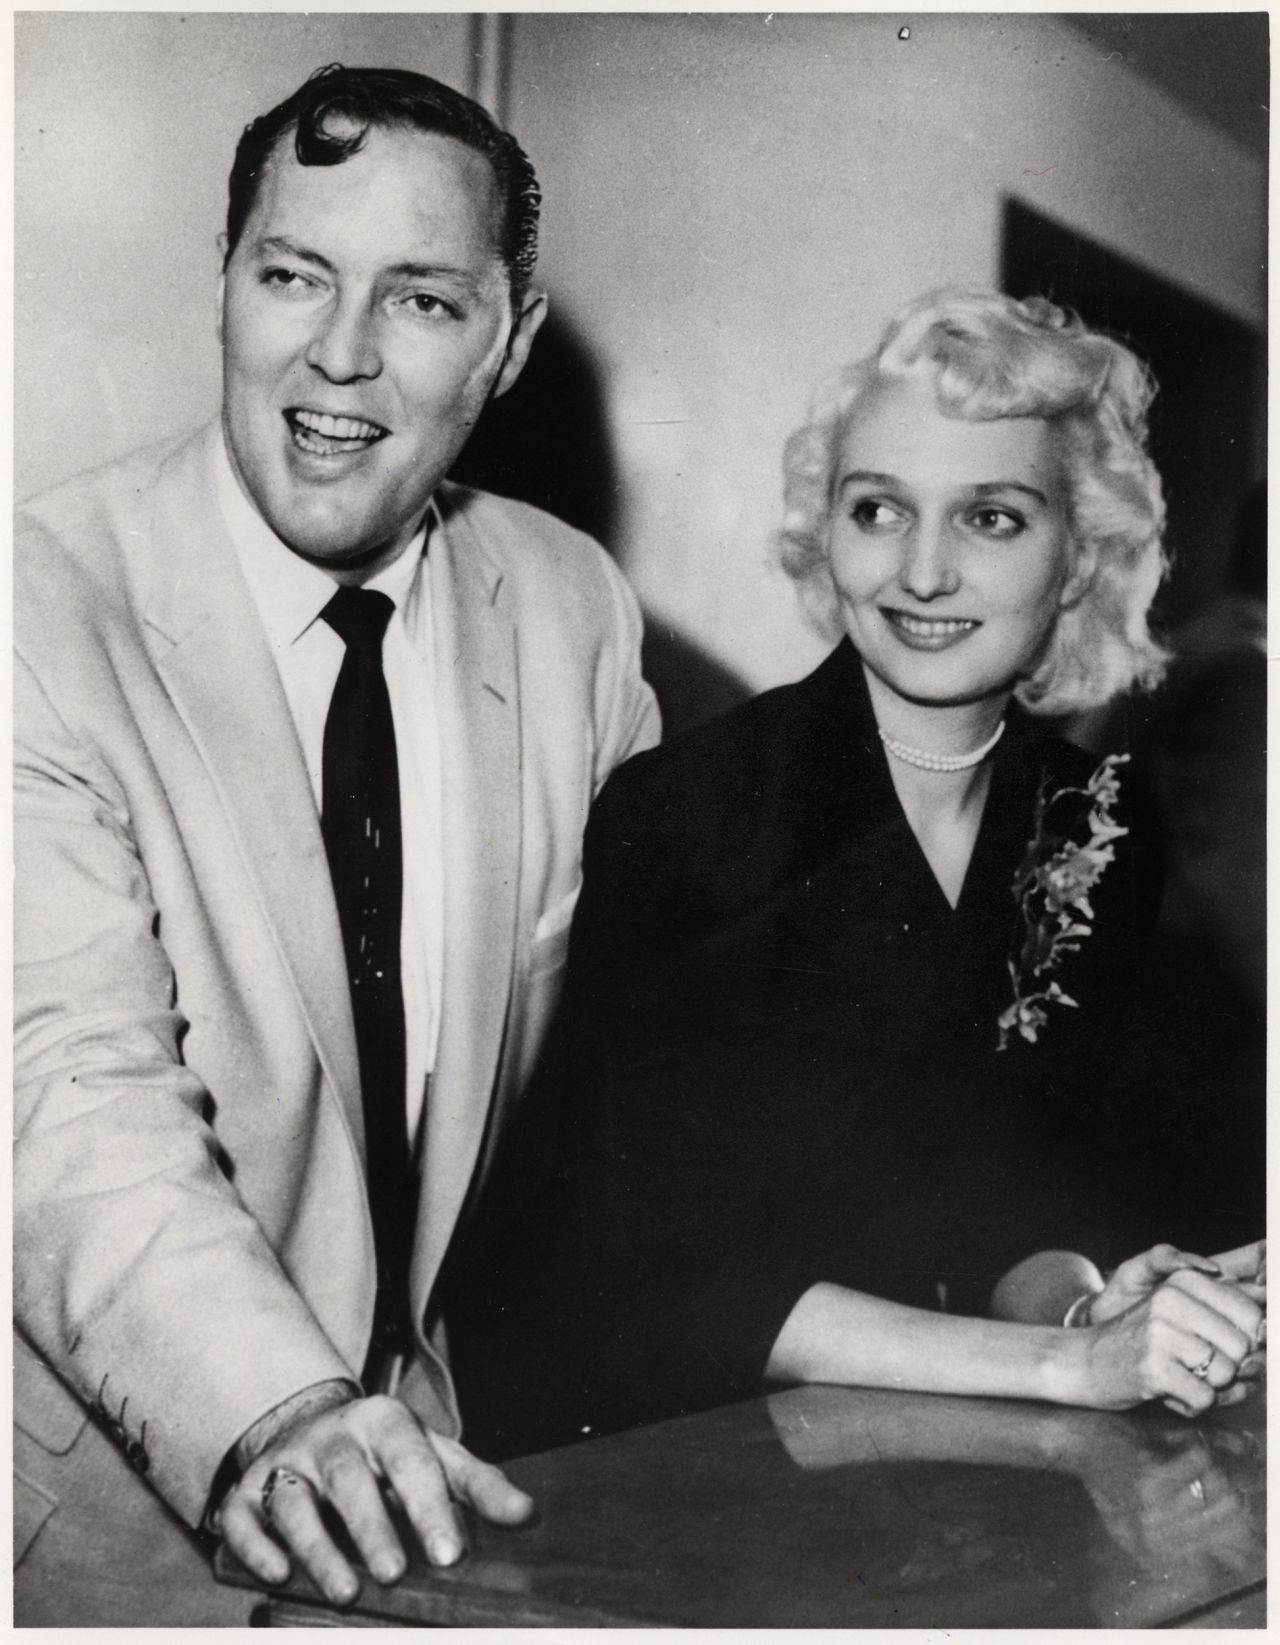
(987, 356)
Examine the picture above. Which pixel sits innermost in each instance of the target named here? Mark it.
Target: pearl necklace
(925, 761)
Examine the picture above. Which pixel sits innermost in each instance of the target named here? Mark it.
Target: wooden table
(824, 1507)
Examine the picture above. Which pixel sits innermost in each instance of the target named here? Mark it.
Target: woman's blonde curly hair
(988, 356)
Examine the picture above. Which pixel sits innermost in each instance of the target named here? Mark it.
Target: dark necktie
(361, 825)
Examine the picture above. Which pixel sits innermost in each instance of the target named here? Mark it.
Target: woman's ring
(1201, 1371)
(276, 1478)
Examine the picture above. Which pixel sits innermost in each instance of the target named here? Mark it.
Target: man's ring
(1202, 1370)
(276, 1478)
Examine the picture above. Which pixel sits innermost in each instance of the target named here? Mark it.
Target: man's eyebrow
(282, 245)
(435, 271)
(870, 477)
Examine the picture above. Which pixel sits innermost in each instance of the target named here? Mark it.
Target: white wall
(736, 203)
(126, 125)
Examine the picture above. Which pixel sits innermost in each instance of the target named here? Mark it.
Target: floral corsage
(1051, 889)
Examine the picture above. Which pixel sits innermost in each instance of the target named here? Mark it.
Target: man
(305, 739)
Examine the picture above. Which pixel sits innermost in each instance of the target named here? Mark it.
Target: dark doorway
(1208, 425)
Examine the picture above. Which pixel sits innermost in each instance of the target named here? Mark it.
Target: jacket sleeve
(139, 1274)
(626, 709)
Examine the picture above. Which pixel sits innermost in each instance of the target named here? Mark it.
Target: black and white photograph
(639, 817)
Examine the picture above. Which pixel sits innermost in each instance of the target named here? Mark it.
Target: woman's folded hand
(1172, 1326)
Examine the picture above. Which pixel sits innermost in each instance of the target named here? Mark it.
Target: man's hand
(354, 1458)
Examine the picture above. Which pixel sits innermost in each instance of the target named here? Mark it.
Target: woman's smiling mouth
(928, 633)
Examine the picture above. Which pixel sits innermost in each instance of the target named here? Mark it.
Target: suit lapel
(221, 677)
(477, 686)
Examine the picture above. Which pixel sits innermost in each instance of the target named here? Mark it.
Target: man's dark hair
(356, 99)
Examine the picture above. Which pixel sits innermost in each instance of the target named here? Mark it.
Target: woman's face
(948, 544)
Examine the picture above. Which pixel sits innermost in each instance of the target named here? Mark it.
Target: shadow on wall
(547, 442)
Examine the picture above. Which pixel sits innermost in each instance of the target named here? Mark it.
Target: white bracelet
(1079, 1312)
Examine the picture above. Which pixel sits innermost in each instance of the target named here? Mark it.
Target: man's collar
(289, 592)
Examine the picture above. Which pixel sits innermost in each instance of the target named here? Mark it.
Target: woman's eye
(874, 515)
(997, 522)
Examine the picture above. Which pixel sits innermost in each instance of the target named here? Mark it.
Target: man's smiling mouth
(326, 436)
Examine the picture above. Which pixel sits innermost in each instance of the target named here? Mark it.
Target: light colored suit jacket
(192, 1239)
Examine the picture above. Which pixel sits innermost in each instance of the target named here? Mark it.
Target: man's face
(365, 318)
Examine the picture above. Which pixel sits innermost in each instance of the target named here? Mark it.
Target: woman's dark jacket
(781, 1059)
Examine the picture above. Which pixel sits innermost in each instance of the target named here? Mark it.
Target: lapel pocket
(551, 934)
(32, 1505)
(43, 1407)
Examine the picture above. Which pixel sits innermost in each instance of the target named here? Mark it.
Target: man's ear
(531, 315)
(222, 281)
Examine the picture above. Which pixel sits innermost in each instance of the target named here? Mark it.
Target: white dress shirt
(290, 594)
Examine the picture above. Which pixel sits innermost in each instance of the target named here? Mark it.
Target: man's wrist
(309, 1402)
(320, 1396)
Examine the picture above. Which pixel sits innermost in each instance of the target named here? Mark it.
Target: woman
(845, 1005)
